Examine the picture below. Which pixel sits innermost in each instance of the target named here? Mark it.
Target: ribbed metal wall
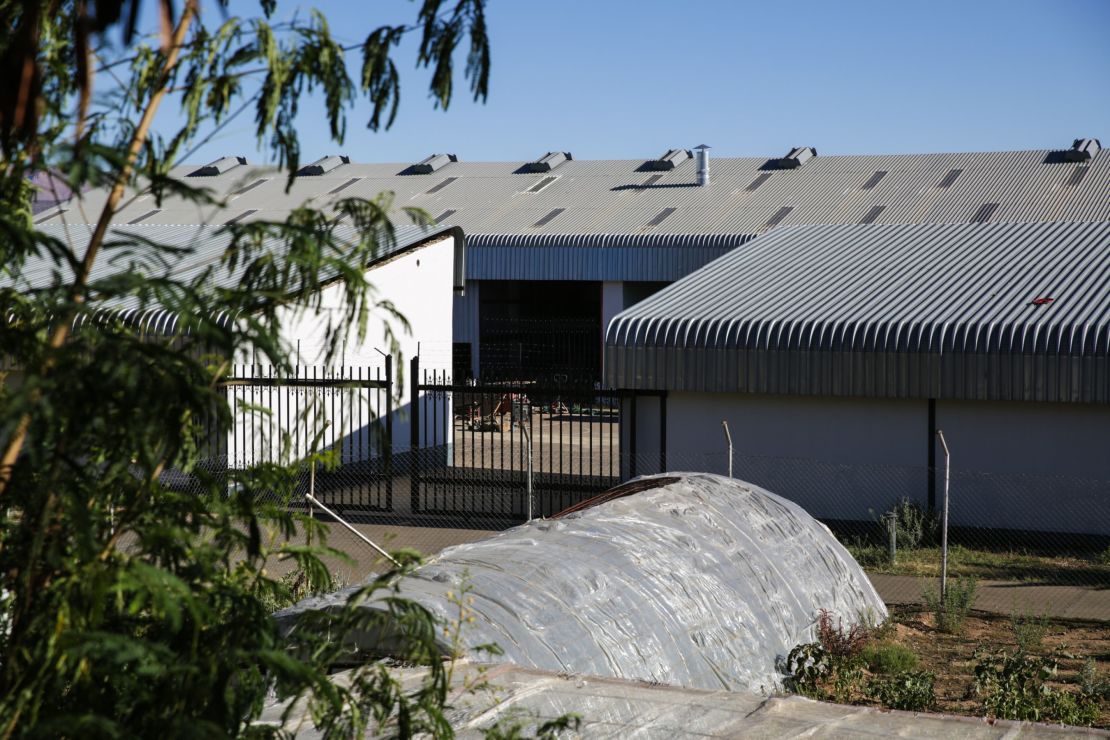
(621, 257)
(935, 311)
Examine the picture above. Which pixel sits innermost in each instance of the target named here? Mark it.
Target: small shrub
(909, 690)
(815, 672)
(1103, 558)
(878, 628)
(914, 526)
(1029, 631)
(807, 666)
(889, 657)
(1093, 684)
(838, 642)
(1014, 686)
(950, 616)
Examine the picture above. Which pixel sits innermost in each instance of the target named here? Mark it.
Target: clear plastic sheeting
(702, 582)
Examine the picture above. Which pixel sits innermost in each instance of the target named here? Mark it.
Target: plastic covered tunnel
(692, 580)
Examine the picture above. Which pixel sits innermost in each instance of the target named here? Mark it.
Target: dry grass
(1064, 570)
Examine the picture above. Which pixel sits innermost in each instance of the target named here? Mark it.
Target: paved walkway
(612, 708)
(1006, 597)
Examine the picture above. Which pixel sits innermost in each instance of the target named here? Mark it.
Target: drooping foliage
(130, 607)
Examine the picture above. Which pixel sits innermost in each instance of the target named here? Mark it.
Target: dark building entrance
(535, 330)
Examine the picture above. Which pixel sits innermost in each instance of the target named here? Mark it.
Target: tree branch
(62, 327)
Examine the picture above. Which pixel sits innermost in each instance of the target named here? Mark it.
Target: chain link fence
(1021, 529)
(443, 464)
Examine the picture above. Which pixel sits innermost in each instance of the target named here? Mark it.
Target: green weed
(951, 613)
(889, 657)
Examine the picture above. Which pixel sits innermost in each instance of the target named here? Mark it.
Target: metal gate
(347, 411)
(460, 455)
(471, 441)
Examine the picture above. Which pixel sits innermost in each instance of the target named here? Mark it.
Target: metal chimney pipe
(701, 154)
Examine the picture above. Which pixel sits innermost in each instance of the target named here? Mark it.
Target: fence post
(663, 433)
(632, 437)
(414, 437)
(387, 448)
(528, 482)
(891, 535)
(728, 440)
(944, 523)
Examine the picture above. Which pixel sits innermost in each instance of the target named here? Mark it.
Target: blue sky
(632, 78)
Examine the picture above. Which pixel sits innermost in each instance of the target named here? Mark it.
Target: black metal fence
(472, 443)
(348, 412)
(434, 452)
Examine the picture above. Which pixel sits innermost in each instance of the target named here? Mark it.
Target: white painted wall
(419, 284)
(1028, 466)
(612, 303)
(838, 458)
(1036, 466)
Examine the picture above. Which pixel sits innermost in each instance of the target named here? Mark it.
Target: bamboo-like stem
(62, 327)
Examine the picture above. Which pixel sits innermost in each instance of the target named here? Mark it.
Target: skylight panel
(662, 216)
(242, 215)
(445, 215)
(984, 213)
(250, 187)
(144, 217)
(344, 186)
(548, 218)
(1077, 176)
(440, 185)
(780, 214)
(872, 214)
(541, 184)
(874, 180)
(758, 181)
(949, 179)
(651, 181)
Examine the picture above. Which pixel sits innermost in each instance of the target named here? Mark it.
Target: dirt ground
(950, 657)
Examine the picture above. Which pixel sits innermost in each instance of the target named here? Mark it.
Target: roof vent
(797, 156)
(701, 153)
(671, 159)
(548, 162)
(1082, 150)
(220, 166)
(430, 164)
(323, 165)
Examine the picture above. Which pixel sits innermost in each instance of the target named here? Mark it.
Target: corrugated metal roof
(902, 311)
(203, 247)
(612, 197)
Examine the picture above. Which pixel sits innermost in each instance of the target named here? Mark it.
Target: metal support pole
(944, 522)
(892, 535)
(728, 439)
(528, 484)
(312, 500)
(311, 488)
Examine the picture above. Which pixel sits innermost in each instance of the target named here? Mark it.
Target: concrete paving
(481, 696)
(1005, 597)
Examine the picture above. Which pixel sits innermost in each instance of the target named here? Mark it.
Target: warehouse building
(558, 246)
(835, 353)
